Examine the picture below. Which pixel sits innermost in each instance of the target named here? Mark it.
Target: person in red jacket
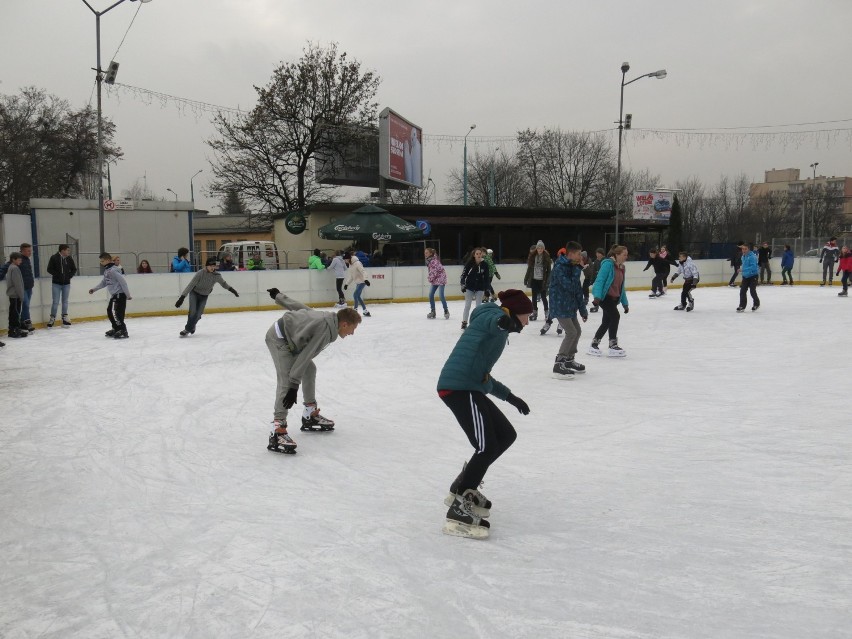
(845, 266)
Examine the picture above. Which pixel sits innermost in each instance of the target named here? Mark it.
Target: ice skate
(653, 296)
(366, 313)
(594, 309)
(110, 333)
(65, 321)
(28, 326)
(755, 307)
(615, 350)
(18, 332)
(679, 307)
(313, 421)
(575, 366)
(690, 306)
(51, 321)
(546, 326)
(446, 315)
(280, 441)
(534, 315)
(185, 333)
(740, 309)
(481, 505)
(559, 330)
(842, 293)
(461, 523)
(561, 370)
(120, 334)
(431, 315)
(594, 349)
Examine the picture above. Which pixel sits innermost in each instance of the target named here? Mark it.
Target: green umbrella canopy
(371, 223)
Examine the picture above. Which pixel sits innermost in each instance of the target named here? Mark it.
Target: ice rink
(699, 488)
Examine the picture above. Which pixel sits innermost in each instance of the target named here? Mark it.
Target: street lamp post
(173, 193)
(813, 206)
(191, 191)
(625, 67)
(99, 76)
(464, 178)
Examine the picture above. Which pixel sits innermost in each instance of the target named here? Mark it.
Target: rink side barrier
(155, 294)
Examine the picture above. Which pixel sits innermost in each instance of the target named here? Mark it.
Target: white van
(251, 251)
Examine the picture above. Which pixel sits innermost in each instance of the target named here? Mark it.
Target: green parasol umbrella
(371, 223)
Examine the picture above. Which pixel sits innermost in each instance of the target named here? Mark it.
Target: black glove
(497, 275)
(346, 287)
(674, 277)
(820, 260)
(367, 282)
(234, 291)
(518, 403)
(626, 310)
(505, 323)
(596, 302)
(273, 292)
(464, 289)
(290, 397)
(179, 303)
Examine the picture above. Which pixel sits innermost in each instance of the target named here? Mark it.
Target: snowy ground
(701, 487)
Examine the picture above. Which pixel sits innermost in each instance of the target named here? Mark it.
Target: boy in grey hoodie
(293, 341)
(17, 294)
(198, 289)
(119, 293)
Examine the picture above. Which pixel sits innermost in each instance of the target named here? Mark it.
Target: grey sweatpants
(571, 326)
(283, 360)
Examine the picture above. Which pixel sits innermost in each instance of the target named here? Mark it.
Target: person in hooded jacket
(688, 269)
(608, 292)
(474, 281)
(537, 277)
(61, 267)
(464, 385)
(437, 276)
(338, 265)
(566, 300)
(180, 263)
(198, 290)
(356, 275)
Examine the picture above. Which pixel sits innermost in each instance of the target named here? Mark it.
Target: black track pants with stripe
(487, 428)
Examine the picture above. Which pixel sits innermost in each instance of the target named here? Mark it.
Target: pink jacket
(437, 275)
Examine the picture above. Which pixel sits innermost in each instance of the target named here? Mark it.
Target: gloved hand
(674, 277)
(626, 310)
(234, 291)
(596, 302)
(497, 275)
(273, 292)
(346, 287)
(505, 323)
(367, 282)
(820, 260)
(464, 289)
(290, 397)
(518, 403)
(179, 302)
(838, 273)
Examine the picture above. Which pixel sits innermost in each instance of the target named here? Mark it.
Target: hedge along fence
(156, 293)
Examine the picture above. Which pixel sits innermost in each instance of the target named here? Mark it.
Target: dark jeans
(734, 276)
(685, 294)
(16, 306)
(765, 270)
(586, 286)
(338, 282)
(845, 279)
(487, 429)
(115, 311)
(658, 283)
(538, 291)
(196, 310)
(610, 319)
(827, 272)
(787, 271)
(749, 284)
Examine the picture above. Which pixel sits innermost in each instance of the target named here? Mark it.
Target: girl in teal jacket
(608, 292)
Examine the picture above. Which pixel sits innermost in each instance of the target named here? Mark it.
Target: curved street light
(173, 193)
(191, 190)
(464, 179)
(625, 67)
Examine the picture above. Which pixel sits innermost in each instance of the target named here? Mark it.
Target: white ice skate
(281, 442)
(313, 421)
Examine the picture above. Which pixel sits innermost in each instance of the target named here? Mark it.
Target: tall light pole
(813, 206)
(191, 191)
(99, 76)
(464, 179)
(625, 67)
(173, 193)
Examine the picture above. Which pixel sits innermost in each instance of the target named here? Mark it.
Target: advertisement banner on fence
(652, 205)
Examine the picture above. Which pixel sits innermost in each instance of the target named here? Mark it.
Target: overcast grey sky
(503, 65)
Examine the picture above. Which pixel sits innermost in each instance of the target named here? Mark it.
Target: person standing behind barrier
(144, 267)
(474, 279)
(227, 263)
(608, 292)
(537, 277)
(437, 277)
(358, 276)
(62, 268)
(787, 265)
(315, 261)
(117, 261)
(180, 264)
(827, 257)
(749, 270)
(338, 265)
(764, 254)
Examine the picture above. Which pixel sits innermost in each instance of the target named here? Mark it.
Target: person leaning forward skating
(294, 340)
(198, 289)
(464, 385)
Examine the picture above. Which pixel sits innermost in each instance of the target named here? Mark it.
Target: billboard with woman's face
(400, 149)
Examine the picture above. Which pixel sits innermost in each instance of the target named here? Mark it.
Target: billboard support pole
(383, 191)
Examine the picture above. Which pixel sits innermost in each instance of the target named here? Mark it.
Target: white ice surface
(701, 487)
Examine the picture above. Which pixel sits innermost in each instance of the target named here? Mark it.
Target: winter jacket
(565, 292)
(764, 254)
(492, 268)
(688, 270)
(315, 262)
(604, 281)
(114, 282)
(736, 258)
(469, 365)
(669, 260)
(204, 281)
(787, 259)
(338, 266)
(661, 266)
(546, 265)
(437, 275)
(255, 264)
(26, 269)
(306, 331)
(845, 262)
(474, 276)
(14, 281)
(749, 266)
(226, 265)
(363, 257)
(594, 268)
(355, 274)
(828, 254)
(61, 268)
(181, 265)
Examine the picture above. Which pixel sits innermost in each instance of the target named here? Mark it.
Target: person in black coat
(661, 271)
(474, 281)
(62, 268)
(736, 261)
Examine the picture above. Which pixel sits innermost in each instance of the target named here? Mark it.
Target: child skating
(689, 271)
(608, 292)
(845, 267)
(198, 289)
(294, 340)
(356, 275)
(464, 385)
(566, 299)
(119, 293)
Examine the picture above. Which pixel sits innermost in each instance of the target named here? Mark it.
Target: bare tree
(491, 177)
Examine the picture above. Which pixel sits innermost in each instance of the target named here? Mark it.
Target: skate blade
(479, 511)
(616, 356)
(317, 429)
(458, 529)
(562, 377)
(284, 451)
(595, 353)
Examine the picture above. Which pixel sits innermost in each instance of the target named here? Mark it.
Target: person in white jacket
(356, 275)
(689, 271)
(338, 265)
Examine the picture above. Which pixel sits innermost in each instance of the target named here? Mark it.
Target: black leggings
(338, 281)
(487, 429)
(115, 311)
(610, 319)
(538, 291)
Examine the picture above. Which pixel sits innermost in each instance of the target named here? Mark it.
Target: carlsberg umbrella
(371, 223)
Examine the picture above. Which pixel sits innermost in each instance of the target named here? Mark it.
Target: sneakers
(594, 350)
(615, 350)
(51, 322)
(464, 325)
(431, 315)
(546, 326)
(561, 370)
(279, 440)
(65, 321)
(313, 421)
(462, 522)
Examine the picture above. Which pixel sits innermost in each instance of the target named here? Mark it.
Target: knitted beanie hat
(516, 301)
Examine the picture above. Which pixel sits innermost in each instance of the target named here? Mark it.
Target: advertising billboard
(344, 158)
(652, 205)
(400, 149)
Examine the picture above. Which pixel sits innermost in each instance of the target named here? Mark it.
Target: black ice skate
(65, 321)
(431, 315)
(51, 321)
(120, 334)
(281, 442)
(461, 522)
(679, 307)
(690, 306)
(110, 333)
(481, 505)
(184, 333)
(446, 315)
(560, 370)
(313, 421)
(546, 326)
(575, 366)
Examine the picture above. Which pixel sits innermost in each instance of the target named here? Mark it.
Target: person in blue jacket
(749, 271)
(180, 263)
(608, 291)
(464, 385)
(787, 265)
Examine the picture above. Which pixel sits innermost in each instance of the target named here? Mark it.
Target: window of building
(211, 247)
